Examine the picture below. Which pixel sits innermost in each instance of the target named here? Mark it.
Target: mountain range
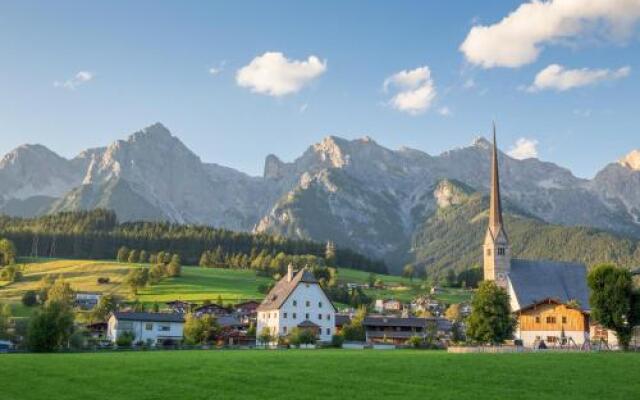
(357, 193)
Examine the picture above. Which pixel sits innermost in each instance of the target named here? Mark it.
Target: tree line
(97, 234)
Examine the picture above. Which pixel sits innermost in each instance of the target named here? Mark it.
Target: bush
(301, 336)
(30, 298)
(103, 280)
(415, 341)
(337, 341)
(125, 339)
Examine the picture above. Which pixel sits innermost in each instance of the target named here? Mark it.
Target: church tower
(497, 252)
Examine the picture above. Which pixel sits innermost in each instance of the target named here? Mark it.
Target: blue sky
(82, 74)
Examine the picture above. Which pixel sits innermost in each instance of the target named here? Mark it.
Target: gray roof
(149, 317)
(228, 321)
(283, 289)
(536, 280)
(411, 322)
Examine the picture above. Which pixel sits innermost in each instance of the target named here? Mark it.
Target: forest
(97, 234)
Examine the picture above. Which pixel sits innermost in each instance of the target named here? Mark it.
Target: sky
(238, 80)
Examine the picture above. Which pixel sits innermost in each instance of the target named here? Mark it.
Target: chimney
(289, 272)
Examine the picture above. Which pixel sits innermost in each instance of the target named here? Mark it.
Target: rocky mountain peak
(273, 167)
(450, 192)
(482, 143)
(333, 150)
(28, 153)
(631, 160)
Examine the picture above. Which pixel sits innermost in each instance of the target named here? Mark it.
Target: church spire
(495, 207)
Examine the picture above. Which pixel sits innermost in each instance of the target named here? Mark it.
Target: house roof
(534, 281)
(228, 321)
(148, 317)
(411, 322)
(283, 289)
(342, 319)
(308, 324)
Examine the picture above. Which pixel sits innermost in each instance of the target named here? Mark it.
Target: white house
(157, 327)
(297, 300)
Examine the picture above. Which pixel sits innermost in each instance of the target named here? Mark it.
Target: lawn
(318, 374)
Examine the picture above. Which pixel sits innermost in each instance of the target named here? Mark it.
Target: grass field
(195, 284)
(319, 374)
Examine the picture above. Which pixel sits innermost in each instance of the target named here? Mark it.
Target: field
(195, 284)
(319, 374)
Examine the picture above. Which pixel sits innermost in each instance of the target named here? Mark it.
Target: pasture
(318, 374)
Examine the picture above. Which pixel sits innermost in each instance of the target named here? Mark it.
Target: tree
(156, 273)
(61, 292)
(7, 252)
(123, 254)
(409, 271)
(133, 256)
(137, 278)
(330, 253)
(5, 321)
(199, 330)
(30, 298)
(50, 327)
(265, 336)
(451, 278)
(612, 300)
(11, 273)
(453, 313)
(490, 320)
(174, 269)
(299, 336)
(354, 331)
(106, 305)
(144, 257)
(371, 279)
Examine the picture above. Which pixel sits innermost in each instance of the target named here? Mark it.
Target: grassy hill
(320, 374)
(196, 284)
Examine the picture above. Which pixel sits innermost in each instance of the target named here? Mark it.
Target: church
(549, 299)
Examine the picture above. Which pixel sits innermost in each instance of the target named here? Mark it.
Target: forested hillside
(452, 237)
(98, 235)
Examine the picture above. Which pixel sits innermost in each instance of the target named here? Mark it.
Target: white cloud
(524, 148)
(559, 78)
(519, 37)
(80, 78)
(415, 90)
(445, 111)
(275, 75)
(217, 69)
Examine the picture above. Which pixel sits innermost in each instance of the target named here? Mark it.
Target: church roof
(535, 280)
(495, 202)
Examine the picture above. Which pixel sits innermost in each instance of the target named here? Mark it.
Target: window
(306, 316)
(294, 315)
(319, 304)
(329, 316)
(551, 320)
(328, 331)
(164, 328)
(284, 330)
(284, 315)
(488, 252)
(500, 251)
(148, 326)
(537, 319)
(319, 316)
(308, 303)
(564, 320)
(295, 303)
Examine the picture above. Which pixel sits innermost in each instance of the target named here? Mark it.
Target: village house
(550, 299)
(87, 300)
(297, 301)
(158, 328)
(212, 309)
(398, 330)
(179, 306)
(388, 306)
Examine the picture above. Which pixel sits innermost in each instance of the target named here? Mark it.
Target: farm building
(398, 330)
(297, 301)
(159, 328)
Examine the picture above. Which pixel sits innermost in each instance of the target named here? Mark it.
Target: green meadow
(318, 374)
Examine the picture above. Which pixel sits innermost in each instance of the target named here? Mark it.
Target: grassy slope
(326, 374)
(195, 284)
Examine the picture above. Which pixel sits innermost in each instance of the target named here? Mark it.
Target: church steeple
(495, 207)
(497, 252)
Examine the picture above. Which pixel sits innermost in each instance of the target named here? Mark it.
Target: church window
(500, 251)
(488, 252)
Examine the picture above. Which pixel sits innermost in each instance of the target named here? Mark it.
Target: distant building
(212, 309)
(549, 298)
(397, 330)
(179, 306)
(159, 328)
(87, 300)
(388, 305)
(297, 301)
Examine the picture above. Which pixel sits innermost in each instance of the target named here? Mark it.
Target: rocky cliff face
(354, 192)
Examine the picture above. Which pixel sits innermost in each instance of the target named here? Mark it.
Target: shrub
(30, 298)
(103, 280)
(337, 341)
(125, 339)
(415, 341)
